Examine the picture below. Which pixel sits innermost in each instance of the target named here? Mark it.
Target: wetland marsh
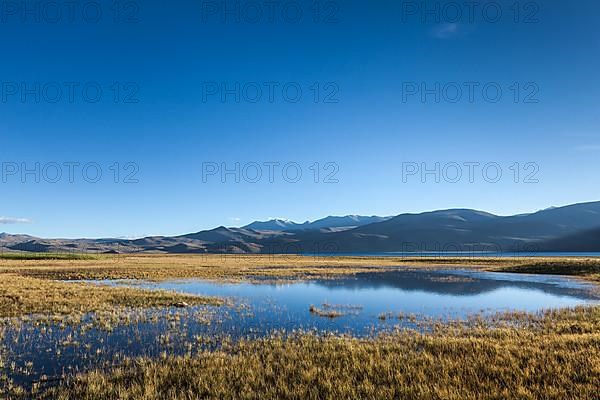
(143, 323)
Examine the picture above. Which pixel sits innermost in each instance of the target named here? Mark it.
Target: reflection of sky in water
(285, 306)
(432, 293)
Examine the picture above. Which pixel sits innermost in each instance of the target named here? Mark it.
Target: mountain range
(331, 223)
(571, 228)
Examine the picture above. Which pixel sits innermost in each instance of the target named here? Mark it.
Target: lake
(362, 299)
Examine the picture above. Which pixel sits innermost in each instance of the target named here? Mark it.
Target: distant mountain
(587, 241)
(7, 237)
(274, 225)
(446, 231)
(571, 228)
(331, 222)
(469, 230)
(348, 221)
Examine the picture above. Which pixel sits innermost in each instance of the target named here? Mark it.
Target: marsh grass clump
(325, 312)
(561, 266)
(384, 316)
(23, 296)
(545, 360)
(335, 310)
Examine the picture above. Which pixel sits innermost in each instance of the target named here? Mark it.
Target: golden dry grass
(22, 295)
(554, 356)
(219, 267)
(247, 267)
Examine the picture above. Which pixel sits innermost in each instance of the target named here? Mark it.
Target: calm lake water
(364, 297)
(404, 296)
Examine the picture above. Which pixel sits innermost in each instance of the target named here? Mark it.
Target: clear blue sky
(365, 58)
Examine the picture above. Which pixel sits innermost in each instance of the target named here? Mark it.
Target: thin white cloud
(134, 236)
(12, 221)
(446, 31)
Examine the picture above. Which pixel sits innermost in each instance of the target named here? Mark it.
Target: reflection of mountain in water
(446, 283)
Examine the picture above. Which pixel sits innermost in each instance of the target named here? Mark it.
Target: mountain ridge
(329, 222)
(461, 229)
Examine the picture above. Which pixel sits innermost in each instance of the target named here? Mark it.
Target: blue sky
(168, 119)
